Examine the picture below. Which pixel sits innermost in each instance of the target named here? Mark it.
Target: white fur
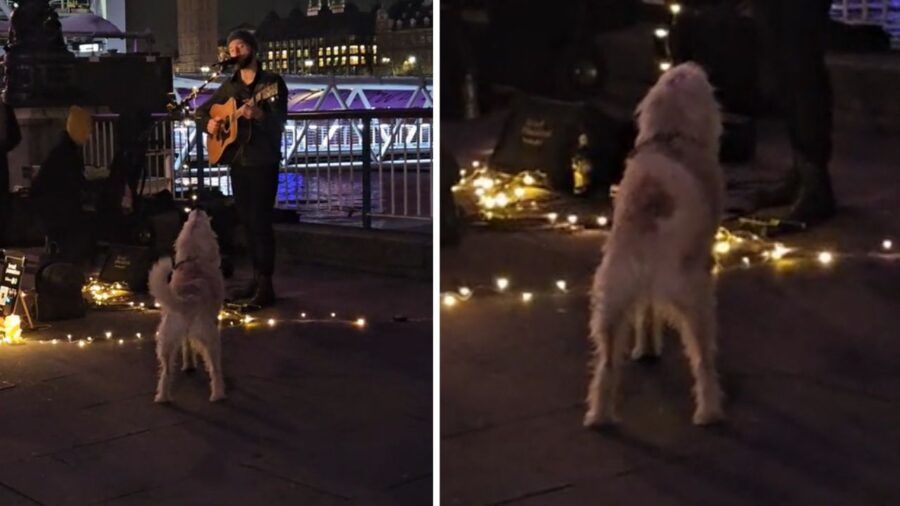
(190, 305)
(657, 259)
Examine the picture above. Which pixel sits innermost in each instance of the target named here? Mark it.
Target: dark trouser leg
(794, 38)
(254, 193)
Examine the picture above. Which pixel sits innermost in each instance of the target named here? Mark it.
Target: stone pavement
(808, 357)
(319, 412)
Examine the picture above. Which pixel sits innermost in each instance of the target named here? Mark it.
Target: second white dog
(190, 305)
(658, 257)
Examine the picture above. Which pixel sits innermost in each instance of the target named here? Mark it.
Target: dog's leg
(640, 332)
(609, 331)
(188, 356)
(212, 355)
(698, 335)
(659, 325)
(166, 351)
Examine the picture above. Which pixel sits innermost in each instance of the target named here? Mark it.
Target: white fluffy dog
(657, 260)
(190, 303)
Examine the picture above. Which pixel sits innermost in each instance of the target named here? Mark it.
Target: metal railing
(877, 12)
(346, 167)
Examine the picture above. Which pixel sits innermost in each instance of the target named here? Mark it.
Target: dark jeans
(793, 33)
(254, 195)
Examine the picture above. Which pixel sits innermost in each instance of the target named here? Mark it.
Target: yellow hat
(79, 124)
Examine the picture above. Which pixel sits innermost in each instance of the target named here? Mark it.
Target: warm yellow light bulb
(108, 334)
(552, 217)
(561, 285)
(81, 344)
(519, 192)
(527, 296)
(333, 315)
(302, 315)
(449, 300)
(501, 200)
(825, 258)
(661, 33)
(675, 8)
(502, 283)
(779, 251)
(887, 244)
(271, 322)
(360, 322)
(572, 219)
(528, 179)
(722, 247)
(121, 341)
(664, 66)
(476, 164)
(602, 221)
(465, 292)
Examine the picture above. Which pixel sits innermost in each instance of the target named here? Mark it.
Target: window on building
(271, 55)
(354, 49)
(299, 53)
(284, 54)
(354, 60)
(374, 49)
(328, 61)
(343, 49)
(362, 60)
(343, 60)
(306, 53)
(328, 51)
(321, 62)
(362, 49)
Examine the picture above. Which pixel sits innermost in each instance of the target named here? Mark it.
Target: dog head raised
(681, 103)
(197, 240)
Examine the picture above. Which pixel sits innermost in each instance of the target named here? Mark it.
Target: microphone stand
(182, 111)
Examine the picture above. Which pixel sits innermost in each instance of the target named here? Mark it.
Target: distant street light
(411, 60)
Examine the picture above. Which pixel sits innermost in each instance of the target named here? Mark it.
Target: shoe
(245, 292)
(815, 202)
(265, 293)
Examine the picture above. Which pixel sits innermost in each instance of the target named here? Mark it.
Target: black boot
(783, 194)
(246, 291)
(265, 293)
(815, 202)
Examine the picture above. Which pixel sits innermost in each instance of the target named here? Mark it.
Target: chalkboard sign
(13, 269)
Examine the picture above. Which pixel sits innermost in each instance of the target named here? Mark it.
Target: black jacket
(59, 186)
(264, 144)
(8, 142)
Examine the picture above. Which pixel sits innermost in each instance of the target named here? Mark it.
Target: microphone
(226, 62)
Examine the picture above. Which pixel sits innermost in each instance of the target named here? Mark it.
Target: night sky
(158, 16)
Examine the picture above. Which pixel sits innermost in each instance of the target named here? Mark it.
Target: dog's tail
(158, 283)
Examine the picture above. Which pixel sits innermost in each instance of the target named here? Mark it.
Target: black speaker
(128, 264)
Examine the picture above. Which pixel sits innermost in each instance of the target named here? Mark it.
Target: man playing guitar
(254, 158)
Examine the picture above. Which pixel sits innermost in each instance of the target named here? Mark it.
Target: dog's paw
(708, 416)
(216, 397)
(595, 419)
(162, 398)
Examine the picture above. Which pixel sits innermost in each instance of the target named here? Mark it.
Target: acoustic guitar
(228, 133)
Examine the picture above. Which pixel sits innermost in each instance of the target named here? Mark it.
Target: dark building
(332, 37)
(404, 36)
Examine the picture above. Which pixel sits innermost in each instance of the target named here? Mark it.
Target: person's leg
(241, 185)
(794, 39)
(264, 188)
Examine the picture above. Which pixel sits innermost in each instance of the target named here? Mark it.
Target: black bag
(58, 285)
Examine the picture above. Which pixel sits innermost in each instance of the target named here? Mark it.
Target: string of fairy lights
(499, 196)
(117, 296)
